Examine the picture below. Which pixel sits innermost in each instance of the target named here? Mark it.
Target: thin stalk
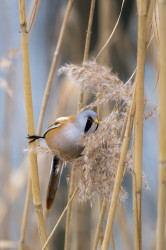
(86, 50)
(79, 107)
(60, 218)
(119, 175)
(53, 66)
(69, 210)
(100, 225)
(112, 33)
(139, 120)
(33, 14)
(30, 122)
(88, 37)
(52, 70)
(162, 128)
(25, 216)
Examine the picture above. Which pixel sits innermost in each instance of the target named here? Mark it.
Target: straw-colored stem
(25, 216)
(53, 66)
(33, 14)
(162, 129)
(79, 107)
(60, 218)
(119, 175)
(139, 119)
(86, 50)
(30, 122)
(112, 33)
(100, 225)
(88, 37)
(69, 210)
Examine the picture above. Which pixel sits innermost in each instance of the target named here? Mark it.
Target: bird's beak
(96, 121)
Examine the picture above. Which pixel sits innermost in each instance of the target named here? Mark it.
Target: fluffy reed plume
(100, 79)
(98, 167)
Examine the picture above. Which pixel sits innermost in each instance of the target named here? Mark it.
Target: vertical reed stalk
(86, 50)
(51, 74)
(139, 119)
(100, 225)
(30, 122)
(25, 216)
(53, 66)
(60, 218)
(162, 128)
(80, 105)
(69, 210)
(119, 175)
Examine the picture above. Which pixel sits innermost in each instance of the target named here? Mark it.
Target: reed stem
(100, 225)
(79, 107)
(162, 128)
(53, 66)
(60, 218)
(25, 216)
(119, 175)
(30, 122)
(51, 74)
(145, 10)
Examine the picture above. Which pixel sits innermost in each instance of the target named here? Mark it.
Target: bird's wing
(55, 125)
(55, 174)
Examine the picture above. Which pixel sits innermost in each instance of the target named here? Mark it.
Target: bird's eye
(88, 124)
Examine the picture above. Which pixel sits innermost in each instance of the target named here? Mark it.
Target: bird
(62, 137)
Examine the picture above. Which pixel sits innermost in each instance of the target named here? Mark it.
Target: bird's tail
(34, 137)
(55, 174)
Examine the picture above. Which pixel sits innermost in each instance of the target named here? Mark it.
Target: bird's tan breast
(64, 139)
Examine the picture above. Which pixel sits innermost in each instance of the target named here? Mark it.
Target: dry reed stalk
(105, 21)
(162, 129)
(52, 70)
(53, 66)
(89, 31)
(60, 218)
(119, 175)
(33, 14)
(144, 24)
(114, 29)
(86, 50)
(30, 122)
(25, 216)
(79, 107)
(100, 225)
(69, 210)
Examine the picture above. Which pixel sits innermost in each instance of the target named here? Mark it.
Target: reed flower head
(97, 168)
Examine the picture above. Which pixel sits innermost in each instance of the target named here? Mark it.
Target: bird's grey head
(88, 121)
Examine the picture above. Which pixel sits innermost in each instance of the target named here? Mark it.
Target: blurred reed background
(121, 56)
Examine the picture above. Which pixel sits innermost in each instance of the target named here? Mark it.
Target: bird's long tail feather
(55, 174)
